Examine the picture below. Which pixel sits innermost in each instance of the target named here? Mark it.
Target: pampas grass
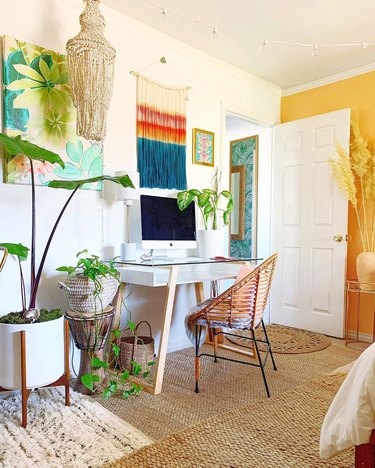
(354, 173)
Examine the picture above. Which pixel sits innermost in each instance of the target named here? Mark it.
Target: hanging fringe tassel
(161, 135)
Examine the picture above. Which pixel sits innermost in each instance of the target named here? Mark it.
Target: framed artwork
(244, 187)
(38, 107)
(203, 147)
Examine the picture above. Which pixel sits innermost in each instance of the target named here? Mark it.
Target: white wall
(94, 220)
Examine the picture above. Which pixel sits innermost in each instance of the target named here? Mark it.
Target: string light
(265, 42)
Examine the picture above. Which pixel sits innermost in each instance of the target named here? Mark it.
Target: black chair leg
(261, 365)
(269, 346)
(198, 331)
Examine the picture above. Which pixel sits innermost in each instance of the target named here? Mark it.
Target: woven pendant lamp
(91, 67)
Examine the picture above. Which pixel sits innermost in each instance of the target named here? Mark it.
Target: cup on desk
(128, 251)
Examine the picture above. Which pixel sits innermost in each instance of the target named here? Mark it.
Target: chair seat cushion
(190, 327)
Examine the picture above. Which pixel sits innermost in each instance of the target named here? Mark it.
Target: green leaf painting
(244, 152)
(38, 107)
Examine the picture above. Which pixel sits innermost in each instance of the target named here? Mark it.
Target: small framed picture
(203, 147)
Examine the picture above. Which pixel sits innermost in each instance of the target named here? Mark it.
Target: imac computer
(164, 226)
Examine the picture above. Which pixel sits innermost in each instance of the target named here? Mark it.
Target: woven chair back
(242, 305)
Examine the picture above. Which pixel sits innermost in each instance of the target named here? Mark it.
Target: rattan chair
(239, 307)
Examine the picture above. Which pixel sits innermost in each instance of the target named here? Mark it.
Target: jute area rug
(82, 435)
(224, 386)
(277, 432)
(287, 340)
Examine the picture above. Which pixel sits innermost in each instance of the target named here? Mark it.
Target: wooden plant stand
(61, 381)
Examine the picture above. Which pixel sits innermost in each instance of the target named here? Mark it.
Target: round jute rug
(286, 340)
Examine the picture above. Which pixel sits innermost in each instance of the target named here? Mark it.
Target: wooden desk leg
(163, 345)
(117, 304)
(25, 392)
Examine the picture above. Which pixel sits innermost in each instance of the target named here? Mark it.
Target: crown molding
(329, 79)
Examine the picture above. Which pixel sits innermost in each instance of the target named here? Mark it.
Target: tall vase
(212, 243)
(366, 270)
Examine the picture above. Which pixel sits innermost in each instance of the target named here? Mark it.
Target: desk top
(170, 261)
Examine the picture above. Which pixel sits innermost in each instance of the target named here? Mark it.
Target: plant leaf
(115, 349)
(124, 376)
(123, 180)
(106, 393)
(18, 250)
(203, 199)
(97, 363)
(15, 145)
(184, 199)
(88, 381)
(137, 368)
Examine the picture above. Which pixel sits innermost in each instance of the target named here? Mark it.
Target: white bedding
(351, 416)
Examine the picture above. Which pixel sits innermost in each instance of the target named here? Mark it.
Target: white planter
(212, 243)
(44, 353)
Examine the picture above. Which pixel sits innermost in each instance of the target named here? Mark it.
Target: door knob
(338, 238)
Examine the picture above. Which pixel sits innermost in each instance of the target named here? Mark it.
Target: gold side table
(361, 291)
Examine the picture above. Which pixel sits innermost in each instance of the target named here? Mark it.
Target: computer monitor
(164, 226)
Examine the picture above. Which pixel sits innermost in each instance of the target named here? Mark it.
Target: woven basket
(78, 291)
(137, 348)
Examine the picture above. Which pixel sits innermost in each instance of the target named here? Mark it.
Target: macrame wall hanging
(161, 134)
(91, 67)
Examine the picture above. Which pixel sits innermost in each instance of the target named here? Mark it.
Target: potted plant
(354, 173)
(44, 329)
(215, 208)
(90, 285)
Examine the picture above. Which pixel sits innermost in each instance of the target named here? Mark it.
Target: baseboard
(365, 337)
(178, 345)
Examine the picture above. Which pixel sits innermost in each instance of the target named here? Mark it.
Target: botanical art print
(244, 152)
(38, 106)
(203, 147)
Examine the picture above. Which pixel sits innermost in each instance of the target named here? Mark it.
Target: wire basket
(137, 348)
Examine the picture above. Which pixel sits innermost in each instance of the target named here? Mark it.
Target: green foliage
(15, 145)
(92, 268)
(123, 180)
(18, 250)
(16, 318)
(117, 381)
(208, 202)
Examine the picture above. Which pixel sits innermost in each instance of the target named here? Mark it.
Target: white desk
(169, 273)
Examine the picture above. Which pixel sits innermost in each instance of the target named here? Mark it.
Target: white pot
(44, 353)
(212, 243)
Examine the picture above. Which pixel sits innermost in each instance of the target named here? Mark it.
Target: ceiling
(307, 21)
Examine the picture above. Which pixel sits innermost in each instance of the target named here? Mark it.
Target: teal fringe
(161, 165)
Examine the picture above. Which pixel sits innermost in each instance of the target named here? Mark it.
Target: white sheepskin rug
(82, 435)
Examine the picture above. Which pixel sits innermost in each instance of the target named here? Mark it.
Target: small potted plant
(215, 208)
(44, 329)
(91, 284)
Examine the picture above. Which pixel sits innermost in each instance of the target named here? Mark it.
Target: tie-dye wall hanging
(38, 106)
(161, 134)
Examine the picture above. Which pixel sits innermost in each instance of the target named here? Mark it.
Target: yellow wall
(358, 94)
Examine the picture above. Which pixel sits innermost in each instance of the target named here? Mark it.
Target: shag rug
(286, 340)
(82, 435)
(273, 432)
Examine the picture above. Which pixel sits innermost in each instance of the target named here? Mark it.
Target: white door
(308, 212)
